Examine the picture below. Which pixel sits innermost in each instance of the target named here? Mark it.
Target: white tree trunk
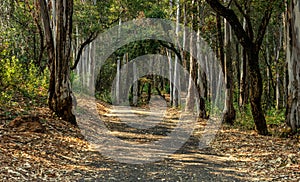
(243, 75)
(118, 82)
(176, 82)
(117, 86)
(169, 55)
(268, 94)
(285, 35)
(135, 85)
(277, 54)
(92, 68)
(190, 99)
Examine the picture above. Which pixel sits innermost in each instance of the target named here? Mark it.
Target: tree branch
(247, 18)
(232, 18)
(92, 37)
(263, 26)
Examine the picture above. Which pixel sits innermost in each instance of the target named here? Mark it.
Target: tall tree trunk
(176, 82)
(220, 41)
(244, 90)
(256, 92)
(117, 92)
(277, 54)
(58, 32)
(169, 55)
(285, 43)
(190, 100)
(243, 81)
(202, 66)
(293, 60)
(268, 96)
(92, 68)
(135, 85)
(252, 47)
(229, 112)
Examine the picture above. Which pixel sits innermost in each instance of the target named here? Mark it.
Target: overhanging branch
(232, 18)
(92, 37)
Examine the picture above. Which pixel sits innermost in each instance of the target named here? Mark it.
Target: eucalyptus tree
(57, 18)
(176, 78)
(293, 60)
(251, 42)
(190, 100)
(229, 111)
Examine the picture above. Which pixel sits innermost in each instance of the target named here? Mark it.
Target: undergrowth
(244, 119)
(22, 82)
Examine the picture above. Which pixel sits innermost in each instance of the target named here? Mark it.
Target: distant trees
(258, 52)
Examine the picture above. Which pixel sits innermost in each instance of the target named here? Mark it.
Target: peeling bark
(293, 61)
(58, 31)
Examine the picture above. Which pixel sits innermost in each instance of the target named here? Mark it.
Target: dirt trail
(150, 151)
(62, 152)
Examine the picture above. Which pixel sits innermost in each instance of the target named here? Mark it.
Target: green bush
(21, 78)
(104, 96)
(244, 119)
(275, 117)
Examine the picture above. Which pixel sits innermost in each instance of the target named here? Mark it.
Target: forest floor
(35, 145)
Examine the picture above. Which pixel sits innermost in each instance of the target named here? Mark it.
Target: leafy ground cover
(35, 145)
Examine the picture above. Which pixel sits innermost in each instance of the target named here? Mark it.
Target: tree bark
(229, 112)
(202, 66)
(117, 91)
(293, 61)
(190, 100)
(169, 55)
(244, 90)
(135, 85)
(176, 82)
(277, 54)
(58, 38)
(256, 92)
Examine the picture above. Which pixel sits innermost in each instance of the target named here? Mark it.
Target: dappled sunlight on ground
(62, 152)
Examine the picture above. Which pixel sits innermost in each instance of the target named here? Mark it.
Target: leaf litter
(59, 152)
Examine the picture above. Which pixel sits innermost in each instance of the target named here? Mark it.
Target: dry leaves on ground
(60, 153)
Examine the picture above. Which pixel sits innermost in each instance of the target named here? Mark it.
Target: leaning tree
(251, 41)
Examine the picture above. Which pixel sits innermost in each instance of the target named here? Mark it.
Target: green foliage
(275, 117)
(104, 96)
(155, 12)
(244, 119)
(106, 75)
(16, 78)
